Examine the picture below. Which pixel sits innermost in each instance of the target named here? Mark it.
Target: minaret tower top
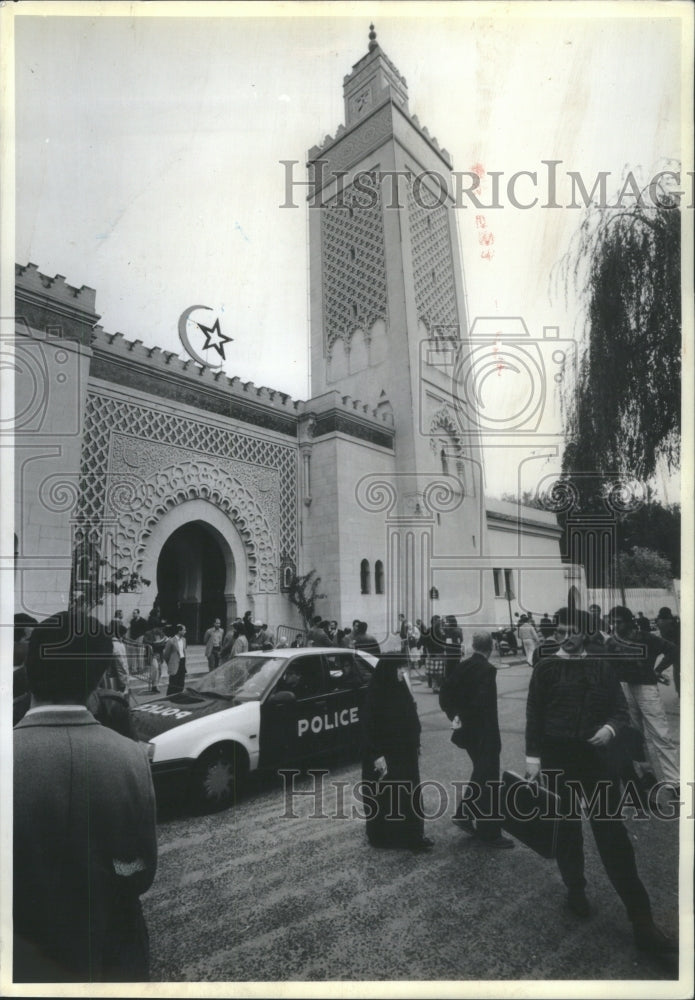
(371, 77)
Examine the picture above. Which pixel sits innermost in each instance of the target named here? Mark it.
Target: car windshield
(243, 678)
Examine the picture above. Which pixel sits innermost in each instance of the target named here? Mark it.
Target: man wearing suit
(85, 844)
(470, 692)
(574, 711)
(175, 659)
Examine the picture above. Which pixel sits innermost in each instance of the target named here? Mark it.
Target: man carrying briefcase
(575, 709)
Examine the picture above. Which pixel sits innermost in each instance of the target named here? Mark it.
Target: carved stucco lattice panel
(106, 416)
(354, 269)
(433, 269)
(169, 475)
(201, 479)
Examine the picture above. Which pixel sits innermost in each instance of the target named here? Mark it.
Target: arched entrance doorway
(192, 579)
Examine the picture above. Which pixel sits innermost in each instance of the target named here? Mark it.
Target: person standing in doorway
(213, 644)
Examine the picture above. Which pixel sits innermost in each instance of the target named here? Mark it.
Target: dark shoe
(578, 903)
(464, 823)
(501, 842)
(424, 844)
(649, 937)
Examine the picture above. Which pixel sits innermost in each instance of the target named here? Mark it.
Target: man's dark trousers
(582, 763)
(479, 793)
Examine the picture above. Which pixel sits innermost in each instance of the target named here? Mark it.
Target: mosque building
(218, 491)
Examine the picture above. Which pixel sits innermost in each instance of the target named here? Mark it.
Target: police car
(258, 710)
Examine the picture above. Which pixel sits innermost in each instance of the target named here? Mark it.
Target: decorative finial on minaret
(372, 38)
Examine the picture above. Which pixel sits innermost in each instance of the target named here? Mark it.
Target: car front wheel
(218, 776)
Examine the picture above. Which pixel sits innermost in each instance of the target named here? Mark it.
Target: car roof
(286, 651)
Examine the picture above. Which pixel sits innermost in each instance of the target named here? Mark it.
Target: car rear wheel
(218, 776)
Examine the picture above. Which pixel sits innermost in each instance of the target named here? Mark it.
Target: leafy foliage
(303, 593)
(622, 413)
(644, 568)
(528, 499)
(94, 577)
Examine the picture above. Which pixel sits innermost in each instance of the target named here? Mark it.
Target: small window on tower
(365, 577)
(434, 277)
(353, 307)
(444, 461)
(378, 577)
(352, 253)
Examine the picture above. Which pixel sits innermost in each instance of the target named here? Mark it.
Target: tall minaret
(388, 313)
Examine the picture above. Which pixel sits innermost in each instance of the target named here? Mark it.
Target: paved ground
(250, 894)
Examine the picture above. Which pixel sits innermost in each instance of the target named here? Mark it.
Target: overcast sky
(149, 149)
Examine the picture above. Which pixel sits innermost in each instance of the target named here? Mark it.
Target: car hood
(155, 717)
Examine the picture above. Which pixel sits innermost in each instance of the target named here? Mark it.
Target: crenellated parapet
(52, 306)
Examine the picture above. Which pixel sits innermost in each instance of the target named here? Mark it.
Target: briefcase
(531, 813)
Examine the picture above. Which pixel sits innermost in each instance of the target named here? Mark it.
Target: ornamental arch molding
(217, 524)
(226, 501)
(444, 437)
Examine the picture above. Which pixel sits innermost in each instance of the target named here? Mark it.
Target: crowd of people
(594, 715)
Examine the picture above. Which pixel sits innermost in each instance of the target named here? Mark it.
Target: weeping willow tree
(622, 409)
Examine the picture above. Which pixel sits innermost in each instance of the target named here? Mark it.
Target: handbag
(531, 813)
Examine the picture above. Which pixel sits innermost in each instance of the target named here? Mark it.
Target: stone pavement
(254, 893)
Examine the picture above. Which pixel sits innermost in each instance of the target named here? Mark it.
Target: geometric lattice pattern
(353, 266)
(105, 415)
(433, 270)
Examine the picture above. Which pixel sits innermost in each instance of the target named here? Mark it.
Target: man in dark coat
(85, 842)
(317, 634)
(575, 710)
(470, 693)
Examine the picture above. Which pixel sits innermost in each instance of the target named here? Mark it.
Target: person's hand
(601, 737)
(380, 767)
(533, 772)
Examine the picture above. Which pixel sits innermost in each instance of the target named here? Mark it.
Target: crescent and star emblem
(213, 337)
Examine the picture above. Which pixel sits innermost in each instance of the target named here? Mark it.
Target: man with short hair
(85, 845)
(365, 641)
(137, 626)
(317, 634)
(575, 710)
(213, 644)
(470, 693)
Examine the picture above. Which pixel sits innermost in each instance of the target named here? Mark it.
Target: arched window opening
(365, 577)
(378, 577)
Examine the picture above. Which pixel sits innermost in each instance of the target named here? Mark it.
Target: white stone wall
(50, 390)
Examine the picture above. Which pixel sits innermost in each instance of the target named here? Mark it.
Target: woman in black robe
(390, 745)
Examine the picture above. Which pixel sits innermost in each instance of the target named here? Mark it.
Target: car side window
(304, 677)
(342, 671)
